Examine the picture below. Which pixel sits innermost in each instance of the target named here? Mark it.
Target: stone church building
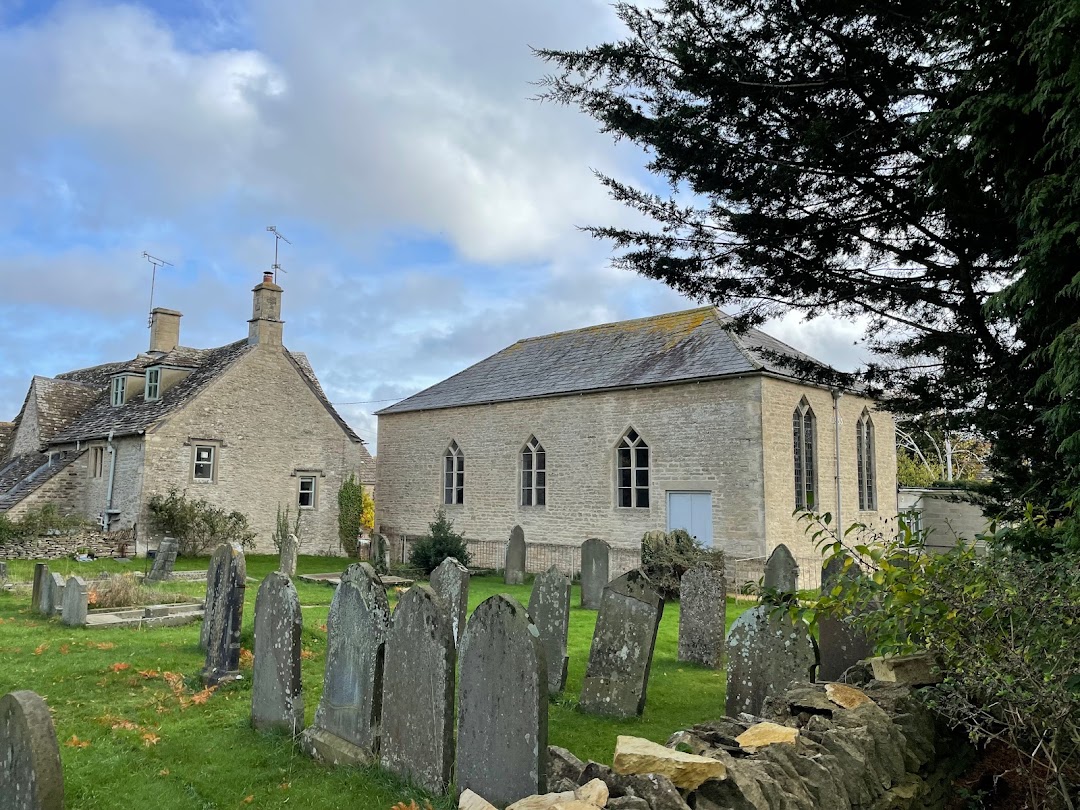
(611, 431)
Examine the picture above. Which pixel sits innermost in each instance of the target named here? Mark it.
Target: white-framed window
(204, 462)
(533, 474)
(97, 461)
(118, 390)
(864, 457)
(632, 471)
(153, 384)
(306, 497)
(453, 475)
(804, 440)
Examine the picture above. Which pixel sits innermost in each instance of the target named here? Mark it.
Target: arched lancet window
(632, 474)
(533, 474)
(864, 455)
(805, 445)
(453, 475)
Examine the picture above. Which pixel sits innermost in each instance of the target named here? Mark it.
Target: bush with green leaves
(36, 521)
(197, 525)
(283, 527)
(350, 512)
(440, 542)
(666, 556)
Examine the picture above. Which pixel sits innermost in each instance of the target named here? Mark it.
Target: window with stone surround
(153, 384)
(632, 471)
(97, 461)
(118, 385)
(533, 474)
(307, 492)
(805, 446)
(453, 475)
(204, 462)
(864, 457)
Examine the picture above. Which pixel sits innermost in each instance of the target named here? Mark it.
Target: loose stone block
(55, 595)
(30, 774)
(277, 700)
(514, 569)
(450, 581)
(763, 734)
(217, 560)
(781, 571)
(418, 691)
(549, 608)
(502, 704)
(39, 595)
(765, 655)
(702, 616)
(617, 676)
(76, 602)
(634, 755)
(595, 565)
(841, 645)
(164, 560)
(346, 726)
(225, 617)
(290, 548)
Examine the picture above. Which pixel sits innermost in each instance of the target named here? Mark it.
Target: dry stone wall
(55, 546)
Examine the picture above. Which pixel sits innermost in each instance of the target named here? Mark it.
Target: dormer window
(153, 384)
(118, 390)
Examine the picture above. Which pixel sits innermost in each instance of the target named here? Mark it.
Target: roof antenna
(278, 236)
(156, 262)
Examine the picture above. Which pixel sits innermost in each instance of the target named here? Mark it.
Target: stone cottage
(244, 426)
(666, 422)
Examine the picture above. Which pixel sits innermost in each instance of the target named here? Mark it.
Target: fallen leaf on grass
(306, 654)
(163, 772)
(248, 799)
(199, 698)
(150, 738)
(247, 658)
(284, 786)
(75, 742)
(119, 666)
(41, 648)
(64, 649)
(127, 725)
(322, 627)
(149, 673)
(101, 645)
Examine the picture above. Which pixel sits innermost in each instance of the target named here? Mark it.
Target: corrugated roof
(678, 347)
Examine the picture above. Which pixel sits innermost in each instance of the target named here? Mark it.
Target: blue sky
(432, 204)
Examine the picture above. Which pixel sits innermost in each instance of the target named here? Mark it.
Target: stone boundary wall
(55, 546)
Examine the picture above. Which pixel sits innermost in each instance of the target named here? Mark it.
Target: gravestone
(54, 598)
(380, 554)
(781, 571)
(450, 581)
(217, 560)
(290, 547)
(164, 560)
(346, 726)
(765, 655)
(549, 608)
(502, 704)
(39, 595)
(76, 601)
(30, 774)
(277, 700)
(595, 567)
(702, 616)
(840, 644)
(226, 618)
(3, 571)
(418, 691)
(514, 569)
(617, 676)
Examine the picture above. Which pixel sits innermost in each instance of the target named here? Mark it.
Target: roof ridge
(613, 324)
(720, 315)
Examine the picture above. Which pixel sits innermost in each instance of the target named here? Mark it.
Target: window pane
(460, 463)
(449, 464)
(526, 497)
(527, 460)
(643, 498)
(624, 478)
(632, 436)
(526, 480)
(448, 495)
(624, 496)
(641, 457)
(641, 478)
(541, 460)
(461, 480)
(541, 497)
(541, 479)
(461, 495)
(624, 456)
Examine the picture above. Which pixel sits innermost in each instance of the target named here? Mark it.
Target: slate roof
(59, 402)
(7, 433)
(682, 346)
(25, 473)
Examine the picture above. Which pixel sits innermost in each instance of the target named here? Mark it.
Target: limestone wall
(54, 546)
(947, 514)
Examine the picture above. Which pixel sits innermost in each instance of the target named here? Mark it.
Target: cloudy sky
(431, 203)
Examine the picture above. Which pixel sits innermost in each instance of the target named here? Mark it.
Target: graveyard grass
(132, 735)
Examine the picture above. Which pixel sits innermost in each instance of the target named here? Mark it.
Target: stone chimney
(164, 329)
(265, 325)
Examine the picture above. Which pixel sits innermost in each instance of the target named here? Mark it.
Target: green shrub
(283, 527)
(440, 542)
(37, 521)
(350, 511)
(666, 556)
(197, 525)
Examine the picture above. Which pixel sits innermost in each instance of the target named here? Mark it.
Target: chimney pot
(268, 276)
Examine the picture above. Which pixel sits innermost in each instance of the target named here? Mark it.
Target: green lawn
(130, 737)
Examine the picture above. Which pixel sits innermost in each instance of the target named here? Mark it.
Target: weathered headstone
(418, 691)
(226, 617)
(3, 571)
(346, 726)
(39, 595)
(781, 571)
(76, 602)
(164, 560)
(549, 608)
(617, 676)
(502, 704)
(450, 581)
(277, 700)
(30, 774)
(290, 548)
(54, 599)
(514, 568)
(765, 654)
(217, 560)
(595, 568)
(840, 644)
(702, 616)
(380, 553)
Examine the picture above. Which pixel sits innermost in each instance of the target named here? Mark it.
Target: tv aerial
(156, 263)
(278, 236)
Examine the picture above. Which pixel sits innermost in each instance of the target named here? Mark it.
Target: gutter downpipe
(836, 394)
(112, 480)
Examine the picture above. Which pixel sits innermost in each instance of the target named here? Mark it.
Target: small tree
(440, 542)
(367, 514)
(283, 527)
(350, 511)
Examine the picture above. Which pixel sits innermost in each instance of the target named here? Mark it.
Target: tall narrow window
(153, 384)
(453, 475)
(97, 461)
(804, 441)
(632, 474)
(306, 493)
(864, 455)
(118, 384)
(533, 474)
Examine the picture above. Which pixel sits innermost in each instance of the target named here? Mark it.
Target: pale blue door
(691, 511)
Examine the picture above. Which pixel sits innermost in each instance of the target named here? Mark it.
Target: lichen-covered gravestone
(418, 691)
(702, 616)
(346, 726)
(277, 701)
(226, 618)
(617, 676)
(30, 774)
(549, 608)
(840, 644)
(40, 594)
(164, 560)
(217, 560)
(595, 568)
(781, 571)
(3, 572)
(514, 568)
(290, 547)
(76, 602)
(450, 581)
(502, 704)
(54, 598)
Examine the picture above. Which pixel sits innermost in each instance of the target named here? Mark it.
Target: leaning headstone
(549, 608)
(226, 617)
(617, 676)
(418, 691)
(30, 774)
(766, 653)
(450, 581)
(290, 547)
(595, 567)
(502, 704)
(781, 571)
(76, 602)
(39, 595)
(702, 616)
(840, 644)
(55, 595)
(514, 568)
(164, 560)
(217, 560)
(346, 726)
(277, 700)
